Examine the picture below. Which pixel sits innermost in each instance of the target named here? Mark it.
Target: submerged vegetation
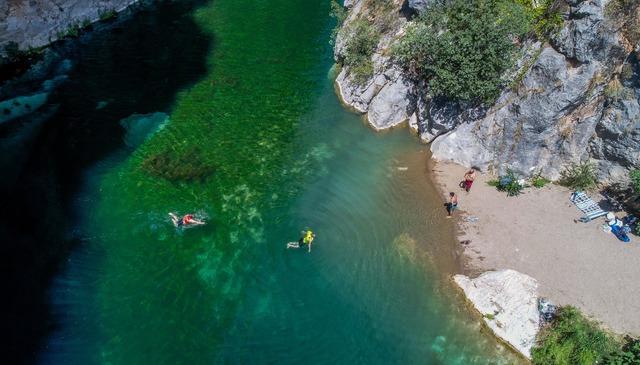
(186, 166)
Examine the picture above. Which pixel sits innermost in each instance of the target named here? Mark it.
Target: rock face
(554, 117)
(386, 96)
(508, 301)
(419, 5)
(577, 98)
(38, 23)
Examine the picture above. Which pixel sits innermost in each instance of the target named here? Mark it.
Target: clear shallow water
(280, 154)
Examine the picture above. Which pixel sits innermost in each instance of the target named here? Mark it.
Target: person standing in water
(452, 204)
(185, 221)
(306, 239)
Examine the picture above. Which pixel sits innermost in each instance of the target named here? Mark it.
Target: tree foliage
(463, 47)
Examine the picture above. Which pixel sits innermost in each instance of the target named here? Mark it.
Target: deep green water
(277, 153)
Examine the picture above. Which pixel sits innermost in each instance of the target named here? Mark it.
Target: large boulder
(437, 116)
(392, 105)
(508, 302)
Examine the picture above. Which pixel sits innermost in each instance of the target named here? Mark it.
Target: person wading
(452, 204)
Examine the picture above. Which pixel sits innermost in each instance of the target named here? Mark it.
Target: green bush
(635, 180)
(462, 48)
(629, 354)
(572, 339)
(509, 184)
(86, 23)
(108, 14)
(538, 181)
(72, 32)
(579, 176)
(545, 17)
(173, 166)
(359, 47)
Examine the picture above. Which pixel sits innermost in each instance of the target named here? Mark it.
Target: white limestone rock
(508, 301)
(391, 106)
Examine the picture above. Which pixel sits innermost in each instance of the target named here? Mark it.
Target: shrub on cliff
(462, 48)
(544, 16)
(359, 47)
(572, 339)
(579, 176)
(635, 180)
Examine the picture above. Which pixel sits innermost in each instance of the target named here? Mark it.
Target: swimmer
(306, 239)
(185, 221)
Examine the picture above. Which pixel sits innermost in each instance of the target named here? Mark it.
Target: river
(230, 113)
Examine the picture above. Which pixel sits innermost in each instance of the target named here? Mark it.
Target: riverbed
(254, 141)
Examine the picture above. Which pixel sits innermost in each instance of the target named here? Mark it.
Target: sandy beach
(536, 233)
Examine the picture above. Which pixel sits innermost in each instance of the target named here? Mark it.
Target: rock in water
(508, 301)
(140, 127)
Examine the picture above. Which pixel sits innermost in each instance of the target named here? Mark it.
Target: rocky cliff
(573, 97)
(33, 24)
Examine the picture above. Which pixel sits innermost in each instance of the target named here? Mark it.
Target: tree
(463, 47)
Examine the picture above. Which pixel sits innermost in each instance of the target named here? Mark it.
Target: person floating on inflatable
(186, 221)
(305, 240)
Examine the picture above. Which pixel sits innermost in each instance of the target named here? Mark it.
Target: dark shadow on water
(136, 65)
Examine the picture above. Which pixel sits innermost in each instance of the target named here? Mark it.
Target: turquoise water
(261, 147)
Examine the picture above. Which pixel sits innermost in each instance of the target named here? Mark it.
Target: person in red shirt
(186, 220)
